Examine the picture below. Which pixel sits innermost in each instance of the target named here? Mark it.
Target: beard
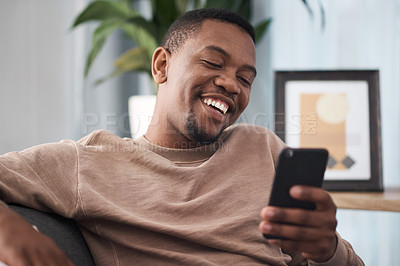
(198, 134)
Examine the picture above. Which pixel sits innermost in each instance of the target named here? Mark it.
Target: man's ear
(159, 65)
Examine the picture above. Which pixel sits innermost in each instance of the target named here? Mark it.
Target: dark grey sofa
(63, 231)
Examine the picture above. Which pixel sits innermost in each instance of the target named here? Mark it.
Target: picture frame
(338, 110)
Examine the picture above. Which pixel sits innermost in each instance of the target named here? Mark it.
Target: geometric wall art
(338, 111)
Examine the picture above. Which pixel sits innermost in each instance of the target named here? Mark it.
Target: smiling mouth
(219, 105)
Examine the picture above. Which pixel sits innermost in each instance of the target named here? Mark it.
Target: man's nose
(228, 82)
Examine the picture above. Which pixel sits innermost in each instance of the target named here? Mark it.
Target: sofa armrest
(64, 232)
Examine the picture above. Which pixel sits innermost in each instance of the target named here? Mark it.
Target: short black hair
(189, 24)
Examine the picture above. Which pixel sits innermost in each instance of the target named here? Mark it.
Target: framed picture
(339, 111)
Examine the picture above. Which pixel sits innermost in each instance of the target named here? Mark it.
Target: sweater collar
(180, 155)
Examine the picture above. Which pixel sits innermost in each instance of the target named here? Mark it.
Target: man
(191, 190)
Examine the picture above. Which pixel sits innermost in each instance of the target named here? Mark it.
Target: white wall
(260, 109)
(43, 95)
(40, 68)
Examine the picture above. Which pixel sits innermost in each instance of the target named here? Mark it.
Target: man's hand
(21, 244)
(313, 233)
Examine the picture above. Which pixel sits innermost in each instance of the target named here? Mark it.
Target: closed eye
(244, 81)
(212, 64)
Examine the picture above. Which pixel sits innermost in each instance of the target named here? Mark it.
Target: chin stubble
(196, 133)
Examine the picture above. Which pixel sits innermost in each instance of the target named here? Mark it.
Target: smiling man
(206, 79)
(191, 190)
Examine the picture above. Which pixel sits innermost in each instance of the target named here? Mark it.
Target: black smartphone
(297, 167)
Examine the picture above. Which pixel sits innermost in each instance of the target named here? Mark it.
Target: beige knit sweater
(141, 204)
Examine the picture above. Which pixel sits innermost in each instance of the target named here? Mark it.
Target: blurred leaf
(308, 8)
(181, 6)
(104, 10)
(129, 2)
(244, 9)
(141, 34)
(311, 13)
(165, 13)
(132, 60)
(98, 39)
(261, 28)
(113, 74)
(225, 4)
(144, 25)
(322, 10)
(198, 4)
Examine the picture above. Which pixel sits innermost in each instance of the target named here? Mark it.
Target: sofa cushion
(63, 231)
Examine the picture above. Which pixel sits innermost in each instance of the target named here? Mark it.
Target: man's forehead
(214, 30)
(223, 37)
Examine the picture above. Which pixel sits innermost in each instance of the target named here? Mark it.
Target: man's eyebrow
(225, 53)
(252, 69)
(217, 49)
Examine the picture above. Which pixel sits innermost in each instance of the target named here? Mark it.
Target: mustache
(220, 92)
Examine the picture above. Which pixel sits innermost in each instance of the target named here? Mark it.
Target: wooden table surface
(389, 200)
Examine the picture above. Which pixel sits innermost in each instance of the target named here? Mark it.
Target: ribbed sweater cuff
(339, 258)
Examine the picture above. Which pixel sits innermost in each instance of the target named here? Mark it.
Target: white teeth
(216, 104)
(222, 107)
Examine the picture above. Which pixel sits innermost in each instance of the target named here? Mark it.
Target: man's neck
(173, 141)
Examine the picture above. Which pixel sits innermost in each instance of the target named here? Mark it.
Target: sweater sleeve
(43, 177)
(276, 146)
(344, 255)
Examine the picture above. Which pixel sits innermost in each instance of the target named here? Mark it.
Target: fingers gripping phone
(297, 167)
